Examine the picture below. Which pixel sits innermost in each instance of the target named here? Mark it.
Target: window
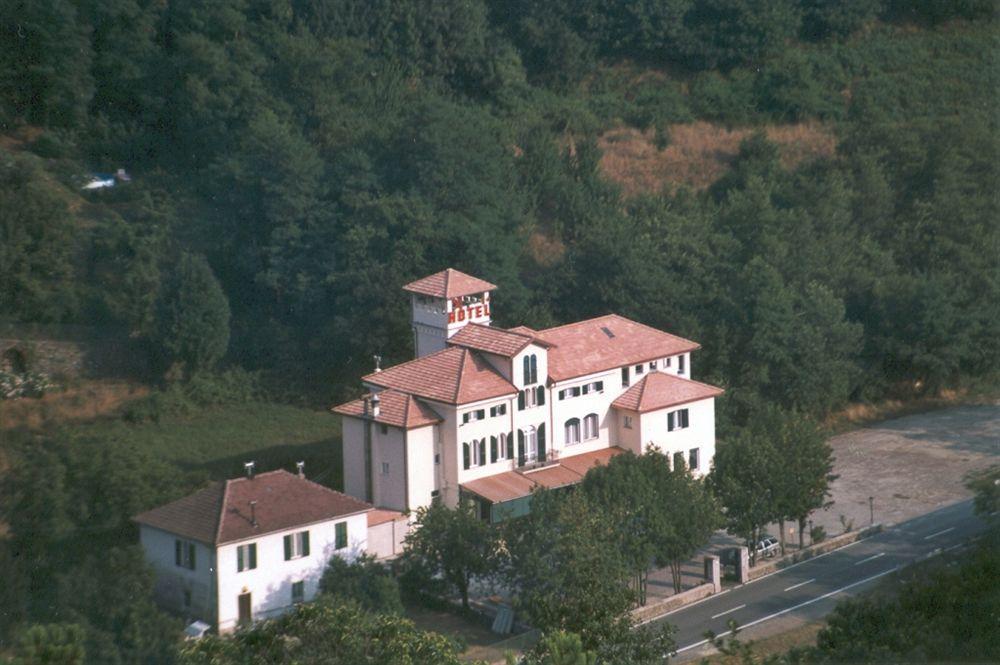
(184, 554)
(527, 446)
(340, 535)
(628, 422)
(482, 451)
(510, 445)
(384, 429)
(531, 397)
(624, 377)
(298, 592)
(246, 557)
(530, 370)
(639, 369)
(437, 458)
(385, 468)
(666, 362)
(502, 448)
(572, 431)
(499, 410)
(678, 460)
(472, 416)
(494, 445)
(296, 545)
(575, 391)
(652, 364)
(590, 428)
(595, 387)
(540, 395)
(466, 455)
(677, 420)
(693, 459)
(680, 364)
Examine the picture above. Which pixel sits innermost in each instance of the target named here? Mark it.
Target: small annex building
(252, 547)
(488, 414)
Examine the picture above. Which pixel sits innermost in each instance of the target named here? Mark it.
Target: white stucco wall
(353, 436)
(173, 580)
(700, 432)
(580, 407)
(423, 476)
(387, 452)
(270, 583)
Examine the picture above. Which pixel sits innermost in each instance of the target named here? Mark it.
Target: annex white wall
(483, 429)
(700, 432)
(580, 407)
(388, 467)
(270, 583)
(353, 450)
(173, 580)
(423, 476)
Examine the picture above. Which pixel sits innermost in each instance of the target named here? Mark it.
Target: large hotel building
(489, 414)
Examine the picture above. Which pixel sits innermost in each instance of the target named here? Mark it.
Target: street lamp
(871, 510)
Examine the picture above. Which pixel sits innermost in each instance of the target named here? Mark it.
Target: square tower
(442, 303)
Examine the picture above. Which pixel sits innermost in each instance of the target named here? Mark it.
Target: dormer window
(530, 369)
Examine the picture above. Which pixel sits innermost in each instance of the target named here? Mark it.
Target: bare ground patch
(699, 153)
(79, 403)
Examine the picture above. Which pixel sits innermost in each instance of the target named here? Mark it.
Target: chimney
(376, 402)
(249, 468)
(378, 362)
(301, 466)
(366, 407)
(253, 513)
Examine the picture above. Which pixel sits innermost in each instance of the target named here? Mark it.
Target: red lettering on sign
(487, 309)
(479, 310)
(451, 317)
(461, 314)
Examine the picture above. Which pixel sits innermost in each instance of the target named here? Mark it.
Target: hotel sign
(460, 311)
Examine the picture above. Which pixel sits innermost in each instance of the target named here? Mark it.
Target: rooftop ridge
(222, 510)
(461, 374)
(446, 349)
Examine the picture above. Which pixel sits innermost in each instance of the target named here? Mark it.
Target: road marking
(955, 547)
(939, 533)
(871, 558)
(795, 607)
(716, 616)
(809, 560)
(796, 586)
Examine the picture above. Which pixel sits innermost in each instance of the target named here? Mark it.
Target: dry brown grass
(699, 153)
(87, 401)
(545, 251)
(854, 416)
(800, 636)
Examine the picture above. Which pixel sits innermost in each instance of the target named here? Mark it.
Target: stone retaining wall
(812, 551)
(671, 603)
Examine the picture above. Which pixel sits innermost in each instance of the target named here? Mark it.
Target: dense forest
(309, 158)
(294, 162)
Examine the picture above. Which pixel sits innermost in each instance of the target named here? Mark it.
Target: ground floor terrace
(506, 495)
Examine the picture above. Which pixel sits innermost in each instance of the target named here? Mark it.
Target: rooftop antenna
(249, 467)
(253, 513)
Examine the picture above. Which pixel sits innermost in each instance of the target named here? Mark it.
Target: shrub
(365, 581)
(817, 534)
(27, 384)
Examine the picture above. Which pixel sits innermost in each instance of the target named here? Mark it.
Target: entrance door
(244, 605)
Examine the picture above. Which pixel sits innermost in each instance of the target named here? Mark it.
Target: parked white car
(768, 547)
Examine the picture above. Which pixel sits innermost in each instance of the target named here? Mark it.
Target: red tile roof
(382, 515)
(493, 340)
(395, 408)
(607, 342)
(449, 283)
(221, 514)
(511, 485)
(658, 390)
(454, 376)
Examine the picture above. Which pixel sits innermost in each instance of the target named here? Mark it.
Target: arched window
(572, 431)
(530, 370)
(590, 428)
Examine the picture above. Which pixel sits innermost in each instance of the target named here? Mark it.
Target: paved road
(810, 589)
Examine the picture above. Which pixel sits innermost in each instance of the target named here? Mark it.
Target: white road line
(871, 558)
(796, 586)
(939, 533)
(954, 547)
(795, 607)
(809, 560)
(716, 616)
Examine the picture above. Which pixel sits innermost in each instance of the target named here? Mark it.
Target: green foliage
(36, 245)
(641, 494)
(567, 568)
(363, 581)
(453, 543)
(561, 648)
(203, 389)
(192, 322)
(986, 486)
(50, 644)
(329, 634)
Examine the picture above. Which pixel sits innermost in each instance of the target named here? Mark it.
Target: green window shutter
(510, 445)
(239, 559)
(493, 449)
(684, 417)
(541, 442)
(341, 535)
(520, 448)
(305, 543)
(670, 421)
(482, 451)
(465, 455)
(520, 401)
(540, 395)
(288, 547)
(177, 552)
(253, 555)
(191, 553)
